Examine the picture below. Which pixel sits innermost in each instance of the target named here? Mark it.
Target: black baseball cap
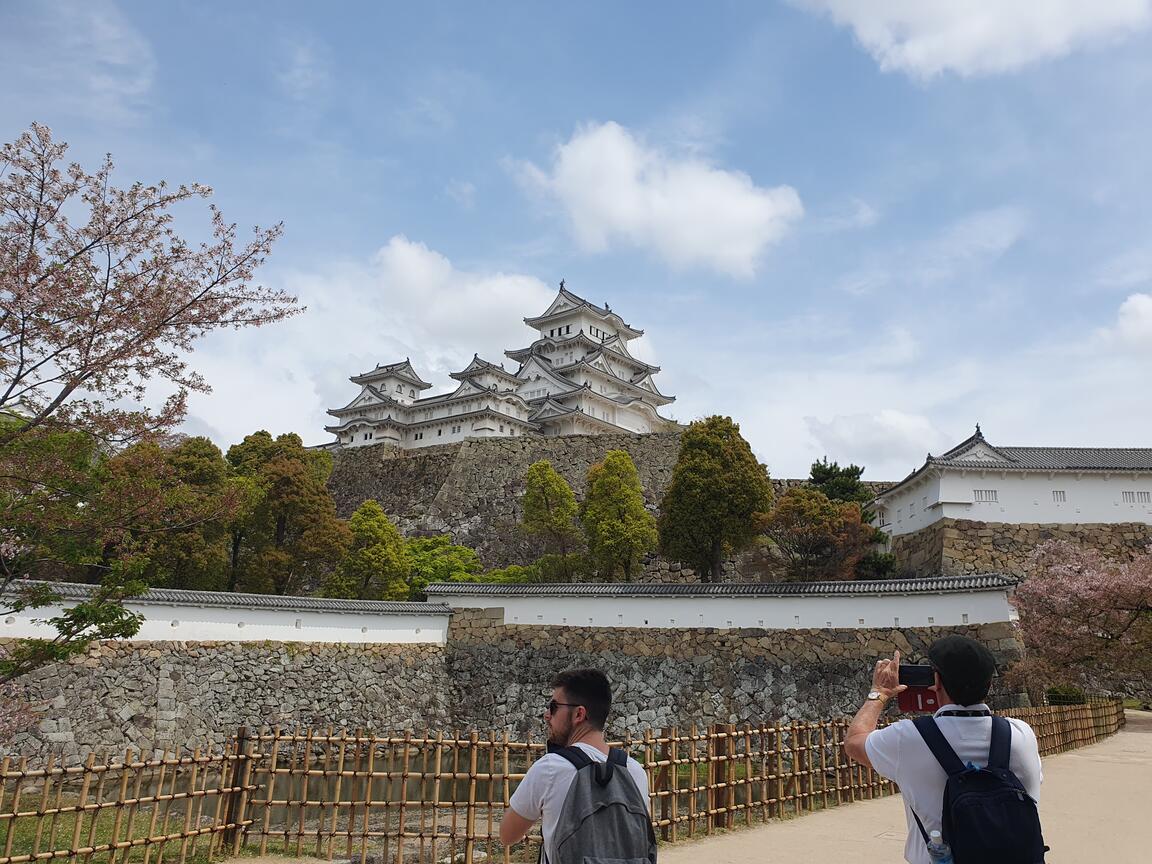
(964, 664)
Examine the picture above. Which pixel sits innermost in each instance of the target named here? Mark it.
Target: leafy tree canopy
(376, 566)
(618, 529)
(1086, 619)
(817, 538)
(717, 489)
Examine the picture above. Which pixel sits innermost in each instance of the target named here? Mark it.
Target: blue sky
(857, 226)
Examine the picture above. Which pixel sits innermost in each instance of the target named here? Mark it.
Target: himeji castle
(576, 378)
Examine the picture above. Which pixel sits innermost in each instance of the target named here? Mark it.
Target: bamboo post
(43, 805)
(56, 806)
(336, 792)
(674, 770)
(321, 815)
(693, 743)
(779, 740)
(10, 839)
(9, 825)
(265, 830)
(369, 780)
(723, 796)
(506, 791)
(188, 807)
(470, 842)
(232, 812)
(155, 805)
(748, 777)
(100, 802)
(423, 793)
(437, 768)
(79, 826)
(403, 796)
(305, 762)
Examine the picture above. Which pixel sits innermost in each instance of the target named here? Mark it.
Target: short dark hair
(590, 688)
(965, 667)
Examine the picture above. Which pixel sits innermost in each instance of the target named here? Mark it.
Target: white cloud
(884, 436)
(925, 38)
(301, 68)
(407, 301)
(855, 214)
(975, 239)
(1133, 328)
(78, 57)
(616, 189)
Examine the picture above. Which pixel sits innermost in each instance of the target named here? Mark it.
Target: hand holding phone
(919, 697)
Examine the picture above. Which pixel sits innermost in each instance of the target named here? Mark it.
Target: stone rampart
(489, 676)
(472, 490)
(157, 695)
(958, 547)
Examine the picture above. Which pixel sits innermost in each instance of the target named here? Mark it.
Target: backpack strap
(1000, 751)
(939, 745)
(575, 755)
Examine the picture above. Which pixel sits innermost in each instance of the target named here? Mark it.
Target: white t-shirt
(899, 753)
(542, 792)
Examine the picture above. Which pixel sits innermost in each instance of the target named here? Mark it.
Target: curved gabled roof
(975, 453)
(402, 370)
(566, 303)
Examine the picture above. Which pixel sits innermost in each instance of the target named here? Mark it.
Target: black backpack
(988, 816)
(605, 818)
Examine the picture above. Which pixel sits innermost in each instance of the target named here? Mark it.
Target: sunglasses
(553, 705)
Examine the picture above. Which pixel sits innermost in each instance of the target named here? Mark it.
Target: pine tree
(711, 504)
(618, 529)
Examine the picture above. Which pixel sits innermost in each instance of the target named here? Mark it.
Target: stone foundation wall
(157, 695)
(677, 677)
(165, 695)
(963, 546)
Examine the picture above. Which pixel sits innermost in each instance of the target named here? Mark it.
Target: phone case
(917, 700)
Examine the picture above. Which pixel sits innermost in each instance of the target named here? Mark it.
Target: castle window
(1059, 496)
(412, 393)
(1144, 497)
(1128, 497)
(568, 329)
(985, 496)
(399, 388)
(439, 431)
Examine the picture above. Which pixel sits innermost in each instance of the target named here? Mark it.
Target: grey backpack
(605, 818)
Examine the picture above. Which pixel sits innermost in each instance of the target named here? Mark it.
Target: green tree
(290, 538)
(717, 489)
(438, 559)
(617, 527)
(816, 537)
(550, 513)
(376, 566)
(195, 555)
(839, 484)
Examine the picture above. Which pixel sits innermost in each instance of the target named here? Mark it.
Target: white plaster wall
(165, 623)
(919, 610)
(1021, 497)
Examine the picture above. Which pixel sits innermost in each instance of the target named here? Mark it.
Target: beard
(559, 732)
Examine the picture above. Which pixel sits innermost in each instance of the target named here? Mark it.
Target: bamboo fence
(431, 797)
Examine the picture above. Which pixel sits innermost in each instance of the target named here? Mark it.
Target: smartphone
(917, 676)
(918, 698)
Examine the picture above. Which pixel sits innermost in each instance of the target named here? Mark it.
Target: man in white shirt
(963, 675)
(575, 717)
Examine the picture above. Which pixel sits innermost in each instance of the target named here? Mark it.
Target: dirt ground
(1094, 806)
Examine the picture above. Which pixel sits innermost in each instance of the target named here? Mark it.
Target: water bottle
(939, 851)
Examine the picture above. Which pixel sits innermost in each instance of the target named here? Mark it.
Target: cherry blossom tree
(1087, 620)
(101, 304)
